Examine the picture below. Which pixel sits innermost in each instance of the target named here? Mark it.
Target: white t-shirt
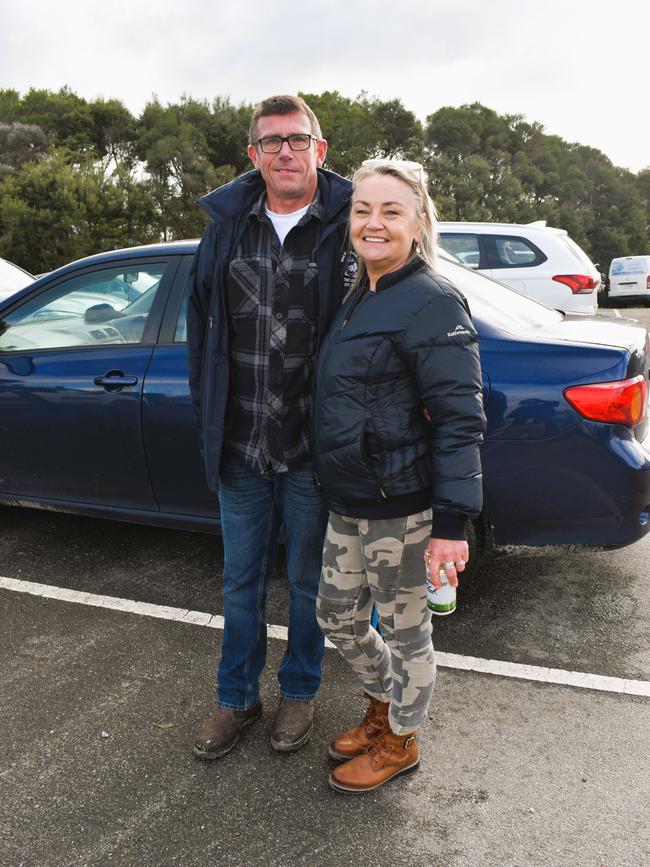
(284, 223)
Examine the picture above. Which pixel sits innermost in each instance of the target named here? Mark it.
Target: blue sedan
(96, 419)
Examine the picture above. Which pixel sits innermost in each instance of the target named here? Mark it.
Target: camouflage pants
(368, 561)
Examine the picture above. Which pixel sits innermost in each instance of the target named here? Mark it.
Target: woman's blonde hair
(413, 175)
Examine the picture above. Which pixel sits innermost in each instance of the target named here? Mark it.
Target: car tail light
(623, 402)
(579, 284)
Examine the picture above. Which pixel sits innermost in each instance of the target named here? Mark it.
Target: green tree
(64, 117)
(175, 154)
(20, 143)
(224, 128)
(52, 212)
(114, 132)
(643, 188)
(362, 128)
(78, 176)
(9, 105)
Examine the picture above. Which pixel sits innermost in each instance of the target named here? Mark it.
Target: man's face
(290, 176)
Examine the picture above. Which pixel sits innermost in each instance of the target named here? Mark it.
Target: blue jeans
(253, 508)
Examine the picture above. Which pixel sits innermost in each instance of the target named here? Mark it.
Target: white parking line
(445, 660)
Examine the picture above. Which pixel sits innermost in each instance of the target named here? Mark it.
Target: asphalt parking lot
(100, 706)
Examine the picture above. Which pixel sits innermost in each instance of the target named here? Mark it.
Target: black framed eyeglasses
(272, 144)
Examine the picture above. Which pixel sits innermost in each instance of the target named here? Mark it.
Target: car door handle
(115, 380)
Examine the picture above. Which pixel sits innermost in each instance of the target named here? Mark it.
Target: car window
(107, 306)
(512, 252)
(465, 247)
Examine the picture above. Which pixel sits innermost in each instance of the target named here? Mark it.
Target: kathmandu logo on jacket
(459, 331)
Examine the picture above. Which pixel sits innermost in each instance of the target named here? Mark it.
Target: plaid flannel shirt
(272, 297)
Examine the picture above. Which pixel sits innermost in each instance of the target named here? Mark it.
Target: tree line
(81, 176)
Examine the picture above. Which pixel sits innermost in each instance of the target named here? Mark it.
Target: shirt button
(279, 315)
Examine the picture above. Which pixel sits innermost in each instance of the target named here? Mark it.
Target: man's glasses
(272, 144)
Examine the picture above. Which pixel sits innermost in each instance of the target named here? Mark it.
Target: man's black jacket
(207, 321)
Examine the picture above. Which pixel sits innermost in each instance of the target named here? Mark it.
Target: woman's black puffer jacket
(389, 355)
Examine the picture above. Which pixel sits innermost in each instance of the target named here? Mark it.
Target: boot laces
(373, 726)
(379, 751)
(373, 721)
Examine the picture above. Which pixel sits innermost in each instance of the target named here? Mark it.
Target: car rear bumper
(602, 498)
(590, 305)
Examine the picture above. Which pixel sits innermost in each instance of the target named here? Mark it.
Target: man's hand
(450, 555)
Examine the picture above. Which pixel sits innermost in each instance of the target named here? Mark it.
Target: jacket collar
(240, 195)
(406, 270)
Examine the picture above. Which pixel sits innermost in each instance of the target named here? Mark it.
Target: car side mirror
(101, 313)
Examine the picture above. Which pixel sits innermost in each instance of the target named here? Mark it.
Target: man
(266, 283)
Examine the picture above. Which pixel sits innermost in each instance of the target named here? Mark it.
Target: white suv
(533, 259)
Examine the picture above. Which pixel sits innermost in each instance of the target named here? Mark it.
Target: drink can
(442, 601)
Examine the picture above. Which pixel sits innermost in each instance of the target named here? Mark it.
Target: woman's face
(383, 223)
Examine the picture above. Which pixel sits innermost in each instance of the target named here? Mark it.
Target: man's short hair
(282, 104)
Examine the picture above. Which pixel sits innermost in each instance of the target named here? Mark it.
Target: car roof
(162, 249)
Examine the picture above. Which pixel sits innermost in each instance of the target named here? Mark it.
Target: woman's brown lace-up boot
(356, 741)
(390, 756)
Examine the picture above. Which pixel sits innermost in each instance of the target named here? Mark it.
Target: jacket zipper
(355, 303)
(364, 456)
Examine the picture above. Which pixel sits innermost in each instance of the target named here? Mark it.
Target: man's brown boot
(220, 731)
(356, 741)
(389, 757)
(293, 725)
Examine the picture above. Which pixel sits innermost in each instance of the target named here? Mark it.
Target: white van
(534, 259)
(629, 279)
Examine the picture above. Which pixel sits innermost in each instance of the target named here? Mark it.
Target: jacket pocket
(344, 473)
(371, 455)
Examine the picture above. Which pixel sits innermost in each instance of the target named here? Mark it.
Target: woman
(398, 418)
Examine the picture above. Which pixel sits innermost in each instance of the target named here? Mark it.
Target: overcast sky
(579, 67)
